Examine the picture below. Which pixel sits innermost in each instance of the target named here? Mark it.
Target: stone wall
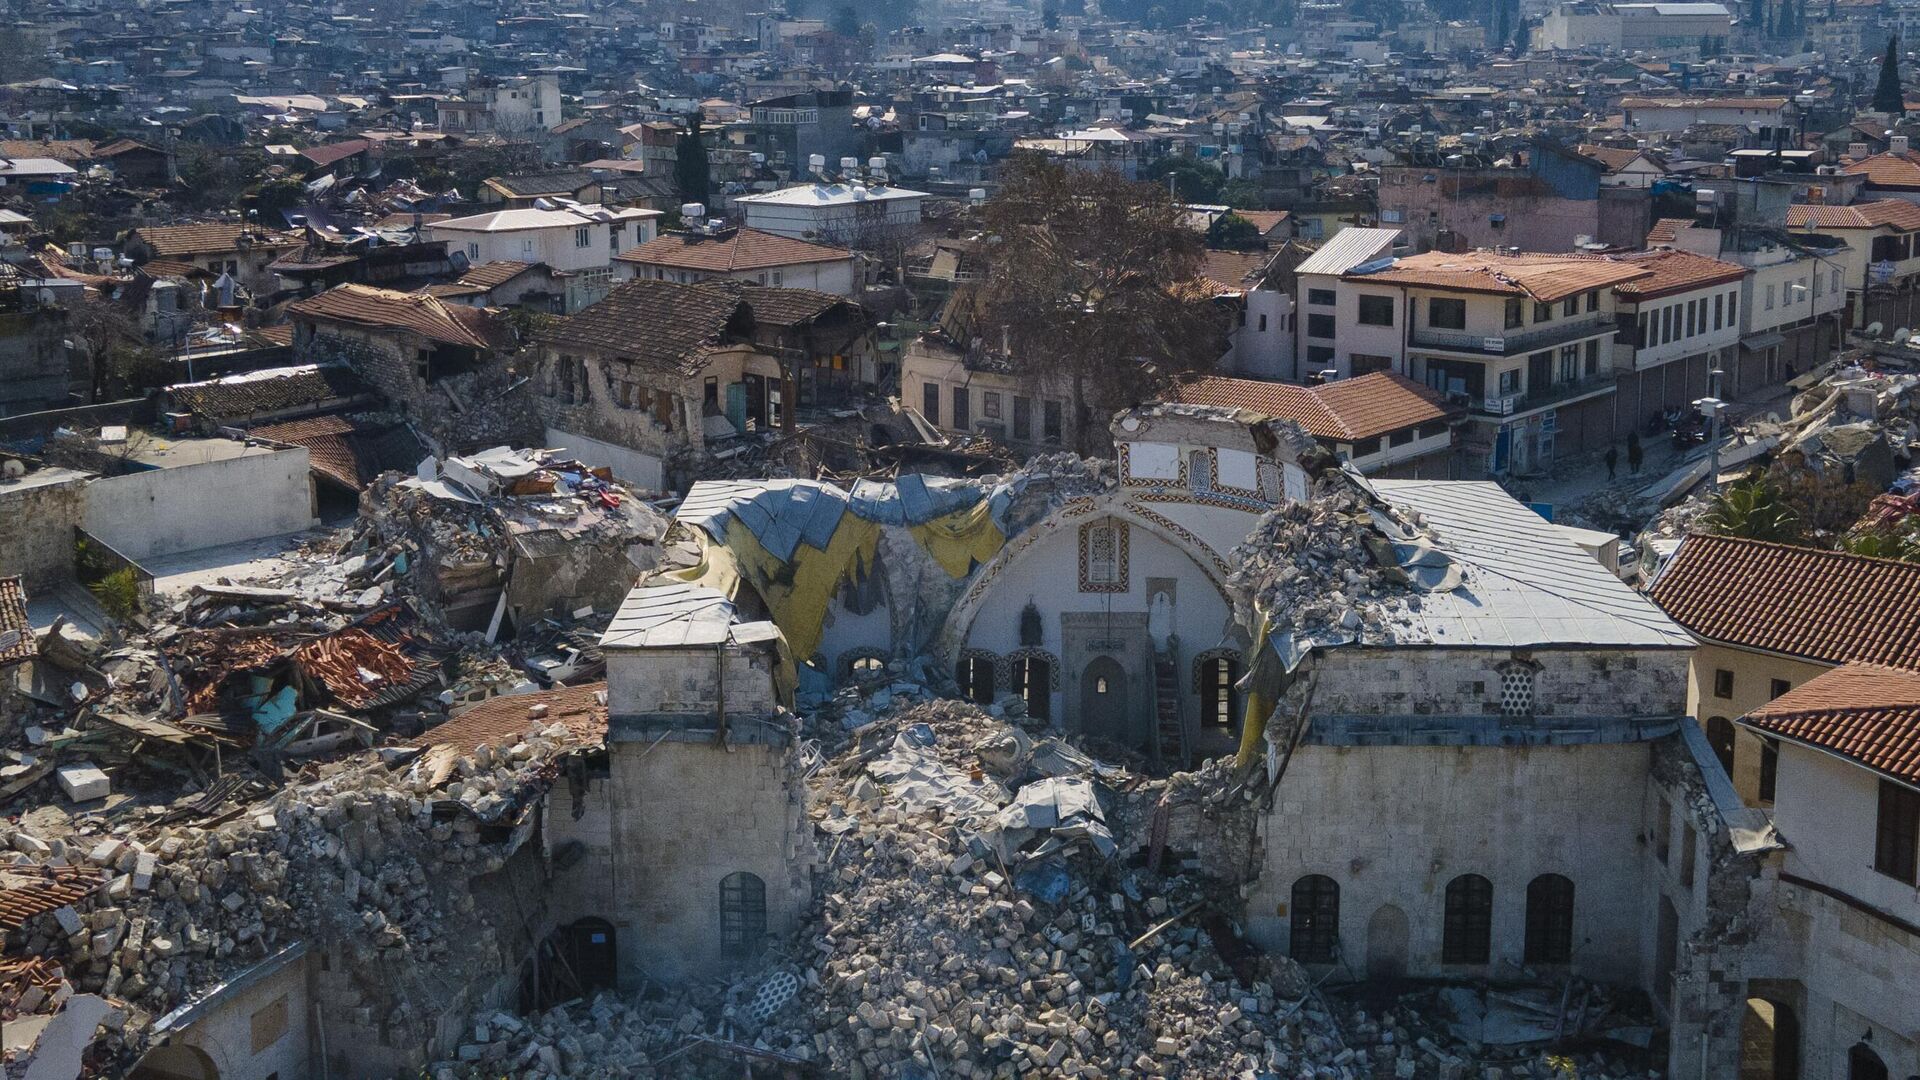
(36, 528)
(590, 407)
(1467, 682)
(457, 413)
(162, 511)
(34, 372)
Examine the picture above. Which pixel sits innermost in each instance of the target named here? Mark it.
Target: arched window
(743, 915)
(863, 664)
(1315, 934)
(1549, 920)
(1720, 737)
(1516, 689)
(1467, 936)
(1864, 1064)
(974, 673)
(1032, 678)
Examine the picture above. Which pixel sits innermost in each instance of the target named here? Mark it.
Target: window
(1593, 358)
(1720, 738)
(1050, 421)
(1516, 313)
(1510, 382)
(1769, 298)
(1769, 768)
(1719, 308)
(1022, 418)
(1819, 286)
(1467, 935)
(1593, 300)
(1319, 325)
(962, 408)
(1569, 364)
(1542, 312)
(1263, 324)
(1367, 363)
(974, 673)
(866, 666)
(1516, 690)
(1549, 920)
(1570, 307)
(1670, 322)
(1033, 681)
(1376, 310)
(1836, 281)
(1722, 683)
(930, 402)
(1663, 831)
(1103, 557)
(1320, 297)
(1217, 677)
(1777, 687)
(990, 404)
(778, 278)
(473, 252)
(1640, 338)
(1896, 839)
(743, 915)
(1687, 849)
(1733, 302)
(1447, 314)
(1692, 310)
(1314, 936)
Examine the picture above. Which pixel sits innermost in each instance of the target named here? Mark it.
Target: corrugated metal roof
(1526, 584)
(670, 614)
(1347, 249)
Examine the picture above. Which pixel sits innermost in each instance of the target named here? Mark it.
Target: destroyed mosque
(1098, 768)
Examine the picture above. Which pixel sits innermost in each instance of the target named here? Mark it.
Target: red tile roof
(332, 152)
(212, 238)
(1346, 411)
(329, 449)
(1864, 712)
(500, 721)
(1544, 278)
(741, 249)
(364, 305)
(1825, 606)
(16, 630)
(1666, 229)
(1675, 272)
(1898, 213)
(1888, 170)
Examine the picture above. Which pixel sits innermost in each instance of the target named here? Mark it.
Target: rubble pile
(1312, 566)
(374, 856)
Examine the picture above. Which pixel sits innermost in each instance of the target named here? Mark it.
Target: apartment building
(1677, 325)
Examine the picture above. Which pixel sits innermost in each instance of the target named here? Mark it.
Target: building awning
(1765, 340)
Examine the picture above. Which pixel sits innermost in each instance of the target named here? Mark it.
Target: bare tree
(1092, 280)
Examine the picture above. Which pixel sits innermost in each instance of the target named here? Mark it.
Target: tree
(692, 175)
(845, 22)
(1751, 509)
(1888, 97)
(1231, 232)
(1193, 181)
(1089, 287)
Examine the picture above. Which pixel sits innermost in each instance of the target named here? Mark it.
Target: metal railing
(1514, 342)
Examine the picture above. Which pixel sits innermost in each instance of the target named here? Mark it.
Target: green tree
(1193, 181)
(1231, 232)
(1887, 96)
(1751, 509)
(845, 21)
(692, 174)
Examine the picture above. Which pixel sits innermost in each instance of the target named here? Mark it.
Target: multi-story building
(1676, 326)
(578, 242)
(1881, 272)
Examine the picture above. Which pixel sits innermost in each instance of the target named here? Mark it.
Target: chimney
(1897, 144)
(1856, 151)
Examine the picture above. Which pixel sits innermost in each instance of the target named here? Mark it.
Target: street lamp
(1711, 408)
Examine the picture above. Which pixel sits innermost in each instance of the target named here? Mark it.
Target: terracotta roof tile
(501, 720)
(364, 305)
(173, 241)
(1888, 170)
(266, 391)
(1352, 409)
(1234, 271)
(1865, 712)
(1544, 278)
(1675, 272)
(666, 325)
(1666, 230)
(1898, 213)
(741, 249)
(1825, 606)
(16, 630)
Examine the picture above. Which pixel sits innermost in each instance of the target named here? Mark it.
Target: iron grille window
(1314, 937)
(1467, 937)
(1549, 920)
(1896, 846)
(743, 915)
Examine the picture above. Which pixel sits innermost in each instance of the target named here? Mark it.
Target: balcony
(1512, 404)
(1515, 342)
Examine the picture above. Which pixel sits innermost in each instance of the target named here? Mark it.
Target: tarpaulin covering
(961, 540)
(796, 589)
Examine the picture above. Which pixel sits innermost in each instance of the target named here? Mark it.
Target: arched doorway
(1387, 936)
(1864, 1064)
(743, 915)
(592, 953)
(974, 673)
(1103, 701)
(1769, 1041)
(175, 1062)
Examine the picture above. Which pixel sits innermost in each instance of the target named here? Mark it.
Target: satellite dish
(13, 468)
(1901, 334)
(1873, 329)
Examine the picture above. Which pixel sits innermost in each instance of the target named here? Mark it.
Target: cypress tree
(691, 173)
(1887, 97)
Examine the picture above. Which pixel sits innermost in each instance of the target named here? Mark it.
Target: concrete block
(83, 782)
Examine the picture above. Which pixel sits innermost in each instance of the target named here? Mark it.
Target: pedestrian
(1613, 460)
(1634, 454)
